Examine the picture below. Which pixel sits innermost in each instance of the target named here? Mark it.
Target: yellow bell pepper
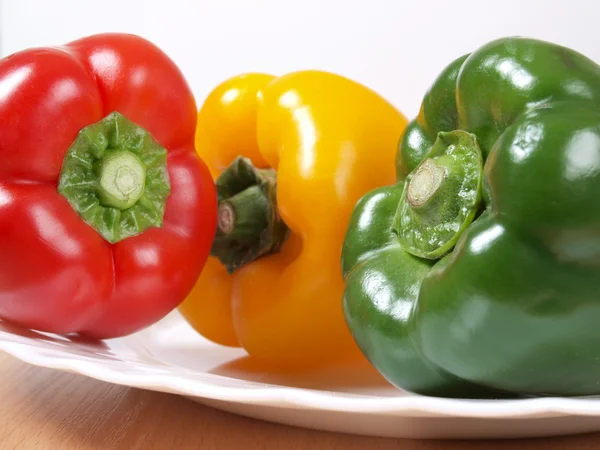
(330, 141)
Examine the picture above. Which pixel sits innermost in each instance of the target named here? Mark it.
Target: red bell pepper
(107, 215)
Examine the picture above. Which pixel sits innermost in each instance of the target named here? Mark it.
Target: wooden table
(45, 409)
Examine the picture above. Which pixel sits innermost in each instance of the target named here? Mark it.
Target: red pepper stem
(114, 175)
(122, 179)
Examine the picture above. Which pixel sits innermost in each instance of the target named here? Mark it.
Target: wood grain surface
(45, 409)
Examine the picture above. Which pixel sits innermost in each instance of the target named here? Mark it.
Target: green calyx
(115, 177)
(441, 196)
(249, 225)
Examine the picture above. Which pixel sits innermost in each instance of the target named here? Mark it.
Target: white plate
(171, 357)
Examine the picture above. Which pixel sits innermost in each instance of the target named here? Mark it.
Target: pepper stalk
(249, 225)
(115, 177)
(441, 196)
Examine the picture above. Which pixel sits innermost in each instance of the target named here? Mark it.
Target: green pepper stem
(441, 196)
(425, 183)
(122, 179)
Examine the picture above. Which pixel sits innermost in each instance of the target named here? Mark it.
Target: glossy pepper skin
(318, 131)
(66, 111)
(511, 307)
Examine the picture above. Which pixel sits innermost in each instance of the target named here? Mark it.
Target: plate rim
(283, 396)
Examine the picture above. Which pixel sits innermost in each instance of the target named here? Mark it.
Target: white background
(396, 47)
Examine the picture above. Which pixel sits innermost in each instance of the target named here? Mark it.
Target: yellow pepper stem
(245, 215)
(249, 225)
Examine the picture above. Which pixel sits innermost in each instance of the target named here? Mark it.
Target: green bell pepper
(478, 273)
